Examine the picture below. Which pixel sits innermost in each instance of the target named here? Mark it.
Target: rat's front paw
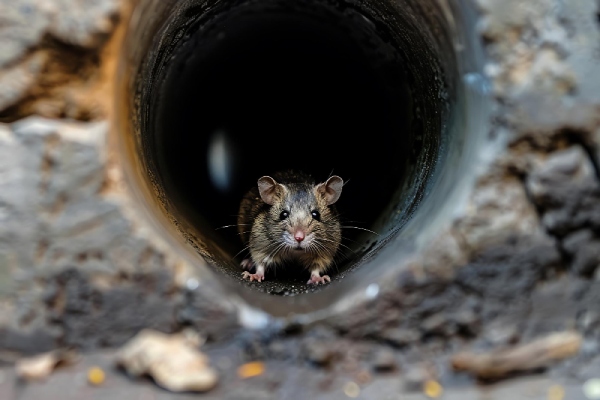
(247, 264)
(316, 279)
(253, 277)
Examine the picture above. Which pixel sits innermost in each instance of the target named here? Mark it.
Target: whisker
(276, 250)
(348, 248)
(353, 221)
(324, 249)
(273, 247)
(230, 226)
(333, 241)
(362, 229)
(241, 251)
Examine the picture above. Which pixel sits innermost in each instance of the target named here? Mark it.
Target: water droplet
(192, 284)
(477, 82)
(372, 291)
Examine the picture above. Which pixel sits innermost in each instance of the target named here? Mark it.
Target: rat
(287, 218)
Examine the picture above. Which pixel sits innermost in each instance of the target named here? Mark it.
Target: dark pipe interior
(314, 85)
(315, 92)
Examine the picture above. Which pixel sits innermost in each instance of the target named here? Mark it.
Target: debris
(500, 334)
(363, 377)
(37, 367)
(40, 366)
(432, 389)
(468, 321)
(401, 336)
(416, 377)
(173, 361)
(556, 392)
(277, 349)
(251, 369)
(96, 376)
(591, 389)
(436, 324)
(384, 360)
(320, 353)
(530, 356)
(351, 389)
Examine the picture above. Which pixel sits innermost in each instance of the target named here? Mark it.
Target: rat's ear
(332, 189)
(267, 187)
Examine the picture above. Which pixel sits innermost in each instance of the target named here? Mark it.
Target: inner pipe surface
(279, 86)
(217, 95)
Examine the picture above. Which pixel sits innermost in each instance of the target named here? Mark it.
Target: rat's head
(302, 216)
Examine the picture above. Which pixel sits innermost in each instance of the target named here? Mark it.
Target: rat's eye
(316, 215)
(284, 215)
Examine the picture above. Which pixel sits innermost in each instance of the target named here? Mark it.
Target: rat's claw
(253, 277)
(247, 264)
(315, 280)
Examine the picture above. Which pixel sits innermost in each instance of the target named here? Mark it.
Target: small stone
(589, 319)
(435, 324)
(352, 390)
(384, 360)
(363, 377)
(277, 349)
(468, 321)
(556, 392)
(401, 336)
(498, 334)
(536, 354)
(573, 242)
(415, 378)
(37, 367)
(173, 361)
(41, 366)
(320, 353)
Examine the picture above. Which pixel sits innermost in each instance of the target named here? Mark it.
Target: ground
(80, 269)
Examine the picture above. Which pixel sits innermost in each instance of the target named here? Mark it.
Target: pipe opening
(218, 95)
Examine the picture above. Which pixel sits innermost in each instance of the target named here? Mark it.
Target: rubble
(530, 356)
(173, 361)
(39, 367)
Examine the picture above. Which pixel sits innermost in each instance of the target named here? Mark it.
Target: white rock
(173, 361)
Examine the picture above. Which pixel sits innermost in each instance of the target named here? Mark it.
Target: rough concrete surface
(52, 55)
(79, 267)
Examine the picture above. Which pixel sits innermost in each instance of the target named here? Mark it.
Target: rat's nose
(299, 236)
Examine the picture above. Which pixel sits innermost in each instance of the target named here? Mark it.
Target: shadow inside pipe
(256, 90)
(223, 93)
